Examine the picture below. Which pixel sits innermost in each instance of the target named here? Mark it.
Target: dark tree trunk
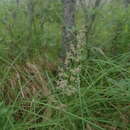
(89, 18)
(93, 17)
(127, 2)
(69, 36)
(30, 6)
(17, 2)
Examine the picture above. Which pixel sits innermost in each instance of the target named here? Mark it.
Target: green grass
(100, 102)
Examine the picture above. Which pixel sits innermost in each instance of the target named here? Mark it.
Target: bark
(69, 36)
(89, 18)
(127, 2)
(30, 6)
(17, 2)
(93, 16)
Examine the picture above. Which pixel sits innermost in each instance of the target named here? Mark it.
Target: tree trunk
(17, 2)
(89, 18)
(30, 6)
(69, 36)
(127, 2)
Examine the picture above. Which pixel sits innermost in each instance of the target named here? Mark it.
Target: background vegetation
(93, 93)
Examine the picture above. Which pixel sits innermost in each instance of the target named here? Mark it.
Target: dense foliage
(93, 93)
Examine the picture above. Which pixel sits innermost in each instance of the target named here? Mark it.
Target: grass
(100, 102)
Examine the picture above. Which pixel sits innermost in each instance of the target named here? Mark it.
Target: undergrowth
(91, 91)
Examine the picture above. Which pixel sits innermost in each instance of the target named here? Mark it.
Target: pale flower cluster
(69, 77)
